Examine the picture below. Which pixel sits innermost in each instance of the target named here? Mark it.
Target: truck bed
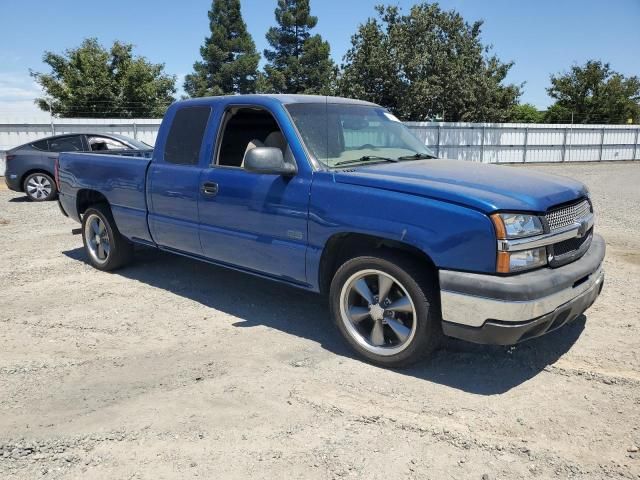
(119, 177)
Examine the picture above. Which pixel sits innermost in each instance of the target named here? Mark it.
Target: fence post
(601, 144)
(564, 144)
(135, 130)
(570, 140)
(526, 141)
(482, 146)
(438, 143)
(635, 145)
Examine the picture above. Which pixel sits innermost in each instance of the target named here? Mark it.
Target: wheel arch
(31, 171)
(85, 198)
(343, 246)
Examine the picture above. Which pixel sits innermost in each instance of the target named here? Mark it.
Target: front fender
(454, 237)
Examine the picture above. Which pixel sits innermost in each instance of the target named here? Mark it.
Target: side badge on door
(295, 234)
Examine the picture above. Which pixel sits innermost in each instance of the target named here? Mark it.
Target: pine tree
(298, 62)
(229, 59)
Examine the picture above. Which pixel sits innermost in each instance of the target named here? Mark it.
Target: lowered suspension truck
(338, 197)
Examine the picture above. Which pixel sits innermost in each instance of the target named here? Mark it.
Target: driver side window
(97, 144)
(245, 128)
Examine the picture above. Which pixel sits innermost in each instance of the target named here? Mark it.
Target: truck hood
(480, 186)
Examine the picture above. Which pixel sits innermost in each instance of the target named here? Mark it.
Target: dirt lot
(175, 369)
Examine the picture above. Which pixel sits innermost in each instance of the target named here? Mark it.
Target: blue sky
(540, 36)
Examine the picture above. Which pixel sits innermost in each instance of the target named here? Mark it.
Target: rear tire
(40, 187)
(398, 329)
(106, 248)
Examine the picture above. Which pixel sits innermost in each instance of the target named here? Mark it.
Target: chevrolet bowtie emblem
(582, 229)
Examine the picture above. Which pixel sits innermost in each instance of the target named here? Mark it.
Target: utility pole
(53, 128)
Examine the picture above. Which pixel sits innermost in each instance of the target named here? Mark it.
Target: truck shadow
(483, 370)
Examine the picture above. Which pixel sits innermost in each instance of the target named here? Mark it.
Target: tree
(298, 62)
(91, 81)
(594, 93)
(426, 64)
(229, 59)
(526, 113)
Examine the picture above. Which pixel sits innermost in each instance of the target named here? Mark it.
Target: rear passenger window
(185, 136)
(41, 145)
(65, 144)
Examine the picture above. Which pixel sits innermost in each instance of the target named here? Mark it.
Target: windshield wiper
(417, 156)
(365, 158)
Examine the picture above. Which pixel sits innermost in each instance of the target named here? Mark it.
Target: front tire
(40, 187)
(387, 308)
(106, 248)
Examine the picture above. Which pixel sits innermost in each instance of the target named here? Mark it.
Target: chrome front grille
(570, 249)
(565, 216)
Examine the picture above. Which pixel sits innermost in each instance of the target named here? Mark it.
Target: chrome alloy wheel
(378, 312)
(39, 187)
(97, 237)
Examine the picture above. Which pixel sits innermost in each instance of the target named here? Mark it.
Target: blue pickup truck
(337, 196)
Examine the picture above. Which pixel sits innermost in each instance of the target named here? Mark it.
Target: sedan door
(57, 145)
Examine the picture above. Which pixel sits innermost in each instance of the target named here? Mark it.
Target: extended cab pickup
(337, 196)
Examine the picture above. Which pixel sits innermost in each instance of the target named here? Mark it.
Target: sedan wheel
(39, 187)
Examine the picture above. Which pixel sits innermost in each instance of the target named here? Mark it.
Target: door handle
(210, 189)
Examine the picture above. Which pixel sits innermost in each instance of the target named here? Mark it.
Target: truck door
(254, 221)
(174, 180)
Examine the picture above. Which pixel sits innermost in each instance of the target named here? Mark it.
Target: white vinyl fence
(479, 142)
(522, 142)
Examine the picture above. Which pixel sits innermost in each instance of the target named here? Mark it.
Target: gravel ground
(175, 369)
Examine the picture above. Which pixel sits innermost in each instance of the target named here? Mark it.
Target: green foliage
(526, 113)
(91, 81)
(298, 62)
(426, 64)
(594, 93)
(229, 59)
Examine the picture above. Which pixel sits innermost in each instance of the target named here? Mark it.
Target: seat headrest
(254, 143)
(277, 140)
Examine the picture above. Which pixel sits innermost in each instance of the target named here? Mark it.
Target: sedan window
(41, 145)
(97, 144)
(65, 144)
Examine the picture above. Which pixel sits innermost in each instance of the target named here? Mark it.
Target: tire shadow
(20, 199)
(479, 369)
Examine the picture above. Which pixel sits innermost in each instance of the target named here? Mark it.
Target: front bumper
(506, 310)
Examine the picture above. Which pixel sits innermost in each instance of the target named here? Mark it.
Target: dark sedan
(30, 167)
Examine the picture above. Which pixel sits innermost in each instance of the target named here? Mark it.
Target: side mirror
(268, 160)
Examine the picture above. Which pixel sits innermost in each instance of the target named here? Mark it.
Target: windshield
(347, 134)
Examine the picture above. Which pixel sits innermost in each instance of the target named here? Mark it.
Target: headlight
(512, 226)
(516, 225)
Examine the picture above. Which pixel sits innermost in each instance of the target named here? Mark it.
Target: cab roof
(284, 99)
